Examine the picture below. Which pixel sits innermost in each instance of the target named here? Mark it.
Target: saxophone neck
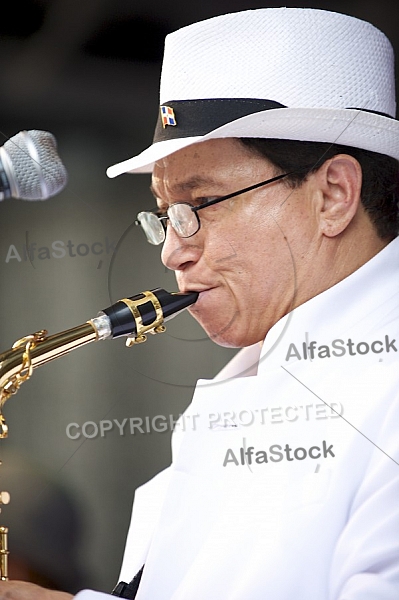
(32, 351)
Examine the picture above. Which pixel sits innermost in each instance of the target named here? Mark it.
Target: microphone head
(33, 168)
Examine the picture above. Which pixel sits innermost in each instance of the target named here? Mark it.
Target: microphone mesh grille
(36, 179)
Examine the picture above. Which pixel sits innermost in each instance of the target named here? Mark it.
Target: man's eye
(160, 213)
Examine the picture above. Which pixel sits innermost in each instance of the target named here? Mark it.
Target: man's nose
(179, 253)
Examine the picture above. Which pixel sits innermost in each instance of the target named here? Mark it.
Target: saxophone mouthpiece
(144, 313)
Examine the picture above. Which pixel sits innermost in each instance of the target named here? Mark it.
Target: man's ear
(339, 181)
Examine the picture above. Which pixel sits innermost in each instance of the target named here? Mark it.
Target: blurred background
(88, 72)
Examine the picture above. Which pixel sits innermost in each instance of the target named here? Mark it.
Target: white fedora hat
(287, 73)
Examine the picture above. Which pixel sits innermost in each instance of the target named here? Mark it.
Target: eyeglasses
(183, 217)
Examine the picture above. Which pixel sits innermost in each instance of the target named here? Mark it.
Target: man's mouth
(192, 287)
(203, 294)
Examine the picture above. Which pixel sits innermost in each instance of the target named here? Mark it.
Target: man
(275, 171)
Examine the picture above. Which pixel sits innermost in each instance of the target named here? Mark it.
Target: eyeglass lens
(183, 219)
(152, 227)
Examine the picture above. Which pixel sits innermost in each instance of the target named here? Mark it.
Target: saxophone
(133, 317)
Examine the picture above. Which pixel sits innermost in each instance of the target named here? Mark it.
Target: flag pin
(167, 116)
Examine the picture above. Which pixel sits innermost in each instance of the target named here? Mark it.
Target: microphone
(30, 168)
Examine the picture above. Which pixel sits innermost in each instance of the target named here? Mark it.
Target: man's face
(251, 253)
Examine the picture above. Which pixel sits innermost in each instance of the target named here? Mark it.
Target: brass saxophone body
(132, 318)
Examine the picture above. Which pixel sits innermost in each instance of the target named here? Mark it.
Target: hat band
(199, 117)
(190, 118)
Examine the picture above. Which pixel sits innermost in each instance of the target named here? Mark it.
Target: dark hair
(380, 184)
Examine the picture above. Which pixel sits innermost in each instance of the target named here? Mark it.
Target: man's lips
(200, 289)
(202, 295)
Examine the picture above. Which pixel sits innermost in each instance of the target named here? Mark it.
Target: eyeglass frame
(195, 209)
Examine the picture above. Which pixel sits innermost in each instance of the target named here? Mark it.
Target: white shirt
(285, 482)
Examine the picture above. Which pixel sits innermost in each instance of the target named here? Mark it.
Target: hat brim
(347, 127)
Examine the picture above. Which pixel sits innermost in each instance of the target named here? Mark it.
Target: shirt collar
(362, 304)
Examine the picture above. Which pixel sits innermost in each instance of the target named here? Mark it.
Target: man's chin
(226, 333)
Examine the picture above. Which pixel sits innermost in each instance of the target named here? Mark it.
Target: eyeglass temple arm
(247, 189)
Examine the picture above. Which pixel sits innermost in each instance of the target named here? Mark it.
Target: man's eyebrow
(189, 185)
